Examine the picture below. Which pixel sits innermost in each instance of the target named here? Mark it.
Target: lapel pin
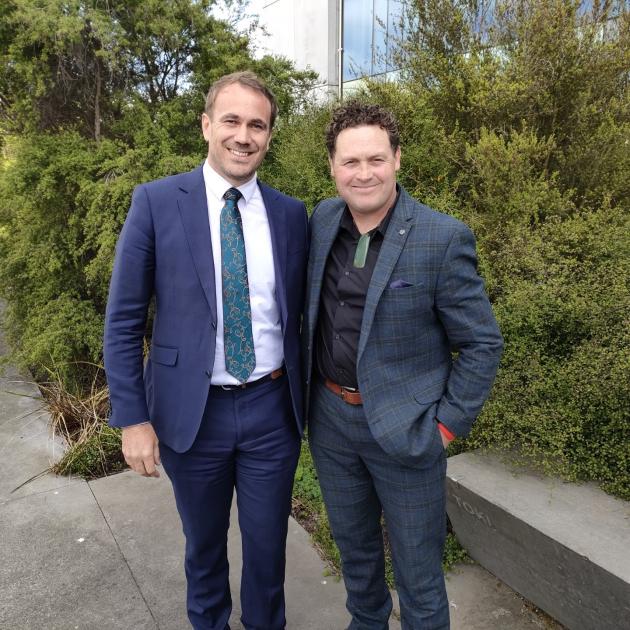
(401, 232)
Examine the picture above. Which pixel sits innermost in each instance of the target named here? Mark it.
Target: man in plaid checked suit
(401, 349)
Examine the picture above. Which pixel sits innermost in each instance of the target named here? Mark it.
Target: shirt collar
(217, 185)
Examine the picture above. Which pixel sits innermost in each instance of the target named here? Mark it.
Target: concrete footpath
(108, 554)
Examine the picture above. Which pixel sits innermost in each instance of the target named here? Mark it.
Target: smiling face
(364, 168)
(238, 132)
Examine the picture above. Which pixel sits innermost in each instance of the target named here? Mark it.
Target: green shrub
(563, 391)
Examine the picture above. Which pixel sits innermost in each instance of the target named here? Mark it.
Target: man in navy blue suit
(219, 401)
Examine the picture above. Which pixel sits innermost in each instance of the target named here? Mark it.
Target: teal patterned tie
(238, 340)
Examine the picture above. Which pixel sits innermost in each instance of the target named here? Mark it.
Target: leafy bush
(563, 393)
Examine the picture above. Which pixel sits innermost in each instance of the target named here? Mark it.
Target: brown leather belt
(351, 396)
(259, 381)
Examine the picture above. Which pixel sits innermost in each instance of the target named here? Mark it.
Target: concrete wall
(305, 31)
(564, 546)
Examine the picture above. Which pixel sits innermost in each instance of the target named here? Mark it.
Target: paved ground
(108, 554)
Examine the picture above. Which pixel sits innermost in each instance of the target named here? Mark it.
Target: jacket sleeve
(130, 292)
(472, 331)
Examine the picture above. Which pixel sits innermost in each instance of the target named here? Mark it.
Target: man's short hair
(358, 114)
(247, 79)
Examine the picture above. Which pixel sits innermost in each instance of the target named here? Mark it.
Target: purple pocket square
(400, 284)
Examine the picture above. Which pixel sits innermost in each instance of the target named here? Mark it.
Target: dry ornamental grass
(80, 418)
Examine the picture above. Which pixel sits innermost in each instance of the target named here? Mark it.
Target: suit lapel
(393, 243)
(276, 216)
(193, 209)
(318, 255)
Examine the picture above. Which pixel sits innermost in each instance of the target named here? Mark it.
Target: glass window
(483, 18)
(372, 29)
(357, 38)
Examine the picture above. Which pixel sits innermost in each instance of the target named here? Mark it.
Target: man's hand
(140, 448)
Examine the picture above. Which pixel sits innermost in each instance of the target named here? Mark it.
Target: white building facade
(346, 39)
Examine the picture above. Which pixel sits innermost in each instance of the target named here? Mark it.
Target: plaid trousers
(360, 482)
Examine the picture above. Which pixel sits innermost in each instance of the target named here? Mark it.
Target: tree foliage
(96, 97)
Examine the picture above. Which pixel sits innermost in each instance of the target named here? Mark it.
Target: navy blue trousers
(360, 482)
(248, 440)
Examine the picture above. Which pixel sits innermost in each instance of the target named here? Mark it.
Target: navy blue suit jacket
(165, 251)
(424, 303)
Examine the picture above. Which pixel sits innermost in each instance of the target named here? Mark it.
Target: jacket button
(208, 373)
(214, 325)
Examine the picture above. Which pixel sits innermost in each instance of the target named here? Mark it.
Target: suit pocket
(404, 285)
(163, 355)
(401, 306)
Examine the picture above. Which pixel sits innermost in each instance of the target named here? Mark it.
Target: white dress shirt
(261, 276)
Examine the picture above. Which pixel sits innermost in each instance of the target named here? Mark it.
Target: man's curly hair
(357, 114)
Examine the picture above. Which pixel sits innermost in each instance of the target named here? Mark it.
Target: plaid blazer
(429, 346)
